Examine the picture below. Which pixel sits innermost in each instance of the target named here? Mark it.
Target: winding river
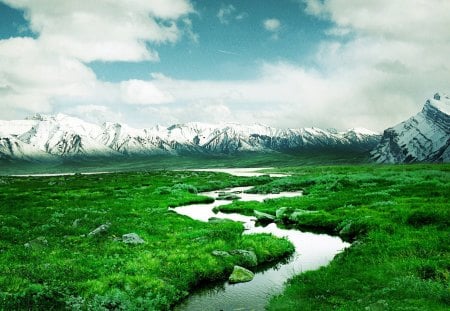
(312, 251)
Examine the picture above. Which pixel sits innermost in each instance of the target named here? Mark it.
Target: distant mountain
(424, 137)
(46, 138)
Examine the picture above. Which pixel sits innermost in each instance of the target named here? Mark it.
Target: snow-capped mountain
(47, 137)
(424, 137)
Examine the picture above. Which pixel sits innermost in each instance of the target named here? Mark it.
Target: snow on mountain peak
(66, 136)
(440, 101)
(423, 137)
(362, 131)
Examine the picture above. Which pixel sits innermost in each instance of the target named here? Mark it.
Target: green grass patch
(49, 261)
(398, 218)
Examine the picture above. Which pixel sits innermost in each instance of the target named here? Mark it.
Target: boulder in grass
(99, 230)
(263, 217)
(240, 275)
(283, 213)
(132, 238)
(228, 196)
(218, 253)
(247, 258)
(37, 244)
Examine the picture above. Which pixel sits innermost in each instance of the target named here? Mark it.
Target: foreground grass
(49, 262)
(398, 218)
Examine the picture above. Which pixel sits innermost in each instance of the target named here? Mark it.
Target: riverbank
(110, 241)
(312, 251)
(398, 218)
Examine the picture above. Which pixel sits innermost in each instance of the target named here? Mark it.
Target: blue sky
(286, 63)
(232, 49)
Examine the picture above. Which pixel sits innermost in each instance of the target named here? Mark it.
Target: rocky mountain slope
(44, 137)
(424, 137)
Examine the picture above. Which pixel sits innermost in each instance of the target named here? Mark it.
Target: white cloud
(31, 75)
(140, 92)
(225, 13)
(414, 20)
(104, 30)
(94, 113)
(205, 111)
(36, 75)
(272, 24)
(228, 12)
(241, 16)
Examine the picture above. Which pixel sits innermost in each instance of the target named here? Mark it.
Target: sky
(284, 63)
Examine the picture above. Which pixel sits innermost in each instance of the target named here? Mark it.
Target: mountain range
(423, 137)
(48, 137)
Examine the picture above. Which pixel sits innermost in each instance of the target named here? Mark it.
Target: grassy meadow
(398, 219)
(48, 261)
(396, 216)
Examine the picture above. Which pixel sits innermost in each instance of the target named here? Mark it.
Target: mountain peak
(423, 137)
(440, 101)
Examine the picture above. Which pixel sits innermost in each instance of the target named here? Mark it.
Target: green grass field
(48, 261)
(396, 216)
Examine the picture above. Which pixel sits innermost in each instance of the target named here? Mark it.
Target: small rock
(282, 211)
(228, 196)
(101, 229)
(76, 222)
(220, 253)
(248, 258)
(216, 220)
(240, 275)
(380, 305)
(263, 217)
(132, 238)
(36, 244)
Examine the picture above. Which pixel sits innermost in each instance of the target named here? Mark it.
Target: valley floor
(396, 216)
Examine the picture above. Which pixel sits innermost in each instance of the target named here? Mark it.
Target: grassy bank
(398, 218)
(49, 261)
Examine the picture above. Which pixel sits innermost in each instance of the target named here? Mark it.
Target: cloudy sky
(285, 63)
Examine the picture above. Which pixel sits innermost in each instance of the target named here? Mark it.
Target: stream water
(312, 251)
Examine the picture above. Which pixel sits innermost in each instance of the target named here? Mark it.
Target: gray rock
(76, 222)
(380, 305)
(248, 258)
(263, 217)
(220, 253)
(101, 229)
(283, 213)
(37, 244)
(240, 275)
(216, 220)
(228, 196)
(132, 238)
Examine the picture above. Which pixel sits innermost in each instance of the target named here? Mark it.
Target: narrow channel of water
(312, 251)
(243, 172)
